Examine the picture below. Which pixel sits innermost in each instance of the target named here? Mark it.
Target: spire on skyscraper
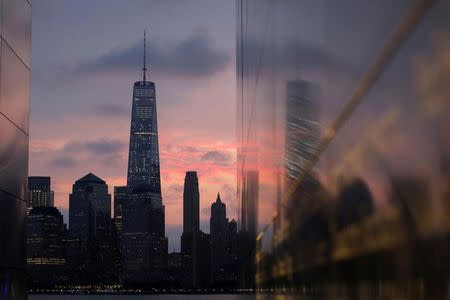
(144, 69)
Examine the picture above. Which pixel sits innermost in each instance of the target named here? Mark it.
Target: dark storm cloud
(63, 162)
(216, 157)
(96, 147)
(193, 56)
(111, 110)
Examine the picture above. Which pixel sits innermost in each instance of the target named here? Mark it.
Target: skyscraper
(39, 192)
(195, 245)
(15, 64)
(144, 245)
(302, 130)
(249, 227)
(90, 222)
(218, 221)
(249, 205)
(89, 208)
(191, 207)
(120, 194)
(218, 234)
(143, 158)
(45, 249)
(191, 200)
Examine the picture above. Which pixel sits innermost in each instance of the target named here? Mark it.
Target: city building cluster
(95, 248)
(129, 248)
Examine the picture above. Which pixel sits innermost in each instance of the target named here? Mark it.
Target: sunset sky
(86, 55)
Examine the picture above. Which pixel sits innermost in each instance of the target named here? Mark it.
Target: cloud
(63, 162)
(103, 146)
(194, 56)
(111, 110)
(216, 157)
(292, 55)
(173, 194)
(176, 188)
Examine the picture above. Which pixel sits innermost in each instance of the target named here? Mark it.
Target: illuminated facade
(302, 130)
(39, 191)
(15, 66)
(144, 245)
(89, 209)
(120, 196)
(90, 224)
(45, 249)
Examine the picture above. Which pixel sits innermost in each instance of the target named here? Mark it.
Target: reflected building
(384, 227)
(15, 52)
(39, 191)
(302, 130)
(354, 203)
(144, 245)
(249, 203)
(248, 229)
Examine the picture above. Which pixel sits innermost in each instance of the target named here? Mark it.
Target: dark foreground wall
(15, 45)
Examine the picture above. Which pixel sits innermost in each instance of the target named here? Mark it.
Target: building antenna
(144, 69)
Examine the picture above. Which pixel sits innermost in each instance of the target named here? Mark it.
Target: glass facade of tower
(143, 159)
(343, 116)
(45, 251)
(89, 209)
(39, 191)
(15, 50)
(143, 242)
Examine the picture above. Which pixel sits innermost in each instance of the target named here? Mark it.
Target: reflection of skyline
(372, 188)
(389, 132)
(302, 129)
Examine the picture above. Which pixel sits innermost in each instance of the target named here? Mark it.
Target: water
(141, 297)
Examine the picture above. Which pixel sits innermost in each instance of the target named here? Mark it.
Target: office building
(191, 206)
(39, 191)
(249, 203)
(144, 245)
(195, 244)
(120, 194)
(90, 223)
(45, 249)
(191, 199)
(218, 234)
(15, 66)
(302, 130)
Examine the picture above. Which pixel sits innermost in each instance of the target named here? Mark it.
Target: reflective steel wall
(343, 112)
(15, 63)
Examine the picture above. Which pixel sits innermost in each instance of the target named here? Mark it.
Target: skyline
(325, 123)
(99, 96)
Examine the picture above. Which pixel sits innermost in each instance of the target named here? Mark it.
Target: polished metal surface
(15, 62)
